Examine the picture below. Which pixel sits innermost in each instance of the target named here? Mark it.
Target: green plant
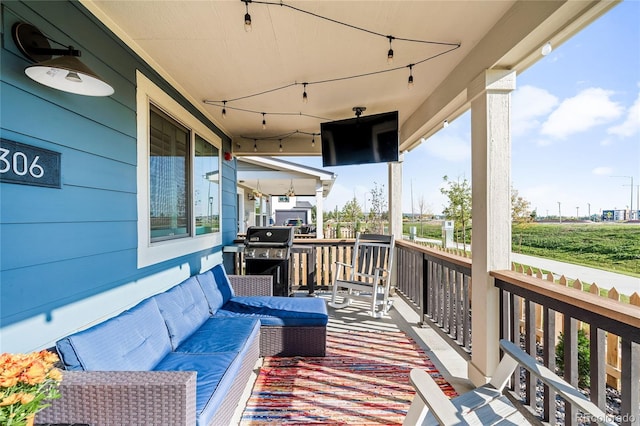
(27, 383)
(584, 354)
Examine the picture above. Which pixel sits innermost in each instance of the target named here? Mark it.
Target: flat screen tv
(360, 140)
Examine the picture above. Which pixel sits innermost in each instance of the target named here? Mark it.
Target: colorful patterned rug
(363, 380)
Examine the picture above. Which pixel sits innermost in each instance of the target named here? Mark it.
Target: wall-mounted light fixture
(66, 72)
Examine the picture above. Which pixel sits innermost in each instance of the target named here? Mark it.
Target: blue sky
(575, 124)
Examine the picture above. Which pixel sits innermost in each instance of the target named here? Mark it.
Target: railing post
(630, 388)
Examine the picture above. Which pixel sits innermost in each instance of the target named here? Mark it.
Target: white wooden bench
(487, 405)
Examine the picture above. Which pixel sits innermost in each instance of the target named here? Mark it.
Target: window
(207, 187)
(179, 194)
(168, 177)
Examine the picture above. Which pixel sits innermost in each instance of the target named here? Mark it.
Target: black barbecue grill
(267, 252)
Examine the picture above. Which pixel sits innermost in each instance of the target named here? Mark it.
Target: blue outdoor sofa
(182, 357)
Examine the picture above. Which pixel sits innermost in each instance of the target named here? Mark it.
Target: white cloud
(529, 104)
(448, 146)
(631, 124)
(543, 142)
(602, 171)
(589, 108)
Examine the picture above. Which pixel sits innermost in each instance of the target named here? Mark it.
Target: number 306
(19, 163)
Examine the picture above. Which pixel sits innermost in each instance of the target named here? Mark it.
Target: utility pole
(559, 213)
(631, 203)
(589, 210)
(577, 212)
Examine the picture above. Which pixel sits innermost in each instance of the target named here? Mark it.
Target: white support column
(491, 193)
(395, 198)
(319, 211)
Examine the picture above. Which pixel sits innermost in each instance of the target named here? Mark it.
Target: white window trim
(151, 253)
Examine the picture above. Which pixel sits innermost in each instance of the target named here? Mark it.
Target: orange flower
(25, 398)
(55, 374)
(35, 374)
(49, 357)
(9, 400)
(7, 382)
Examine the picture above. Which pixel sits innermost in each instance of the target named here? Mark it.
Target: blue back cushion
(184, 309)
(224, 285)
(211, 291)
(135, 340)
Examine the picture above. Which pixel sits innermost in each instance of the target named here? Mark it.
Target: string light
(445, 124)
(280, 147)
(390, 52)
(546, 49)
(247, 17)
(313, 140)
(255, 146)
(390, 57)
(282, 137)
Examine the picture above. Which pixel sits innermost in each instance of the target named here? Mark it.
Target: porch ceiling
(203, 49)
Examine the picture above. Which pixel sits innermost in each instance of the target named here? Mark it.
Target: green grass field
(611, 247)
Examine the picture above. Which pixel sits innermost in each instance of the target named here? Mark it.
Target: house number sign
(28, 165)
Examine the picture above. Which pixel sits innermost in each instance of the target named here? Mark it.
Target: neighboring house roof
(274, 176)
(303, 205)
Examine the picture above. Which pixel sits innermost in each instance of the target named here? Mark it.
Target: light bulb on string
(247, 18)
(390, 52)
(255, 146)
(410, 81)
(224, 109)
(264, 122)
(546, 49)
(280, 147)
(313, 140)
(305, 98)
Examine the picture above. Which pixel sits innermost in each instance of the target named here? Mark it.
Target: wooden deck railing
(604, 318)
(534, 311)
(438, 286)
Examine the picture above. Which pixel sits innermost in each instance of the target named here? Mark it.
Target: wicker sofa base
(117, 398)
(293, 341)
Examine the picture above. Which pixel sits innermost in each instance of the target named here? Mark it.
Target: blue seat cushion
(184, 309)
(222, 335)
(136, 339)
(278, 311)
(215, 375)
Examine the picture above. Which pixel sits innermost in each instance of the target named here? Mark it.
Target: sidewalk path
(624, 284)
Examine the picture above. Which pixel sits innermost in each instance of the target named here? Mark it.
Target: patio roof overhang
(275, 177)
(202, 48)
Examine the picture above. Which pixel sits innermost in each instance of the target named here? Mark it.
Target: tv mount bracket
(359, 110)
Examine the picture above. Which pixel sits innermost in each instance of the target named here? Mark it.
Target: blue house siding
(64, 252)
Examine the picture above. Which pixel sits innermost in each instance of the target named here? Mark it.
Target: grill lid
(269, 236)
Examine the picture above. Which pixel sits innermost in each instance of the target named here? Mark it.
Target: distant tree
(520, 208)
(459, 208)
(423, 208)
(378, 208)
(351, 212)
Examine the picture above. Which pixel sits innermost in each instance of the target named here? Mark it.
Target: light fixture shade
(56, 72)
